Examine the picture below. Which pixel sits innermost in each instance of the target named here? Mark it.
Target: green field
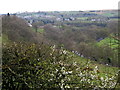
(108, 42)
(4, 38)
(40, 30)
(109, 14)
(82, 18)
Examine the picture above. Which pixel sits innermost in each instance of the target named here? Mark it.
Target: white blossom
(102, 78)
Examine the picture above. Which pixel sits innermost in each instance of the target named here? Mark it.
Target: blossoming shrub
(39, 66)
(29, 65)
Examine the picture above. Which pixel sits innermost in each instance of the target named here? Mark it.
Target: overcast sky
(13, 6)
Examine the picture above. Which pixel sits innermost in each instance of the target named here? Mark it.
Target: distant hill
(17, 29)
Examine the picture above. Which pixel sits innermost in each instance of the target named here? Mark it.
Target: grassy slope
(103, 69)
(4, 38)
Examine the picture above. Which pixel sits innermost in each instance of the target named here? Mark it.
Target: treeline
(84, 39)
